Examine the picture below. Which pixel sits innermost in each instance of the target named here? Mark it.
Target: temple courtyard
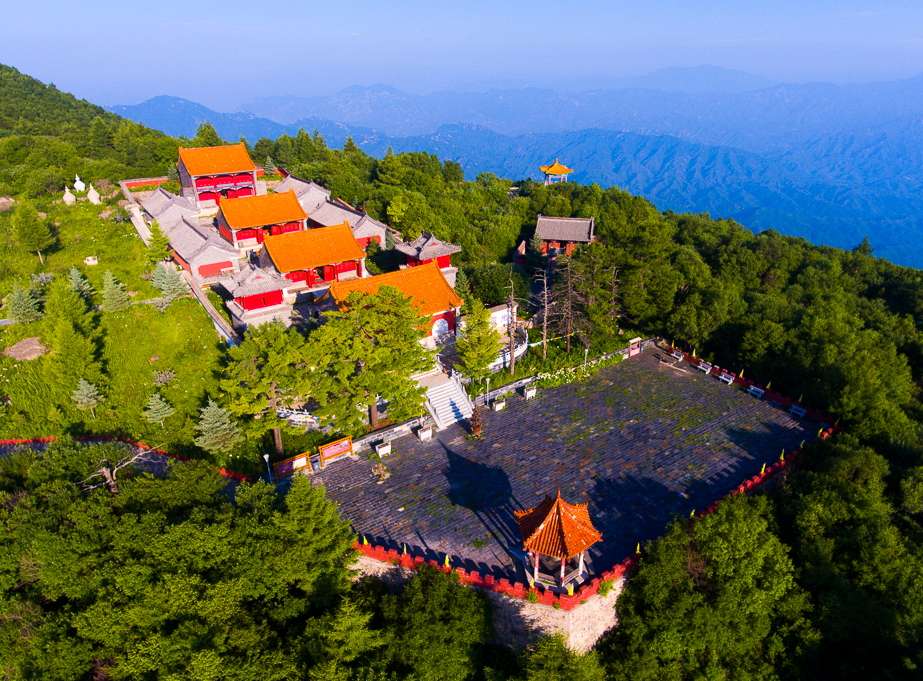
(641, 442)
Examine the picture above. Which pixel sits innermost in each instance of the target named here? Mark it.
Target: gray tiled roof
(252, 281)
(369, 227)
(332, 213)
(426, 247)
(162, 200)
(190, 240)
(564, 229)
(310, 195)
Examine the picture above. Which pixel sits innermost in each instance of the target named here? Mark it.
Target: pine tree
(217, 431)
(31, 230)
(370, 348)
(157, 410)
(463, 286)
(115, 297)
(79, 284)
(265, 373)
(86, 396)
(73, 356)
(480, 343)
(268, 166)
(159, 248)
(22, 305)
(64, 303)
(172, 172)
(169, 282)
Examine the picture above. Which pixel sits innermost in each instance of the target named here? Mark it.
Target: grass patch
(134, 343)
(80, 233)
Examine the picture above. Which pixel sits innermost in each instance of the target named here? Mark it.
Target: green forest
(108, 572)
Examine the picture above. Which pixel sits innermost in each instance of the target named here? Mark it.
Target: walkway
(224, 328)
(641, 442)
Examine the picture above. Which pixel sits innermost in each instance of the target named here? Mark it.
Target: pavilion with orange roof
(559, 530)
(246, 222)
(555, 172)
(210, 174)
(315, 256)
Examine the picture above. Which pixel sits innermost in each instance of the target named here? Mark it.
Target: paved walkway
(228, 331)
(641, 442)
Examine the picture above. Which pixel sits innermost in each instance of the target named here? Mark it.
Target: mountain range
(829, 163)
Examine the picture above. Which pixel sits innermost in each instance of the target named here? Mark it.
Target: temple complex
(210, 174)
(427, 288)
(314, 258)
(557, 530)
(563, 235)
(246, 222)
(555, 172)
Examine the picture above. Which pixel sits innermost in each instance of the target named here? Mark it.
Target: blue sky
(222, 54)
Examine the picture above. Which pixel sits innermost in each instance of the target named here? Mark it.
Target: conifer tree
(73, 356)
(159, 248)
(32, 231)
(115, 297)
(86, 396)
(172, 172)
(370, 348)
(265, 373)
(64, 302)
(169, 282)
(79, 284)
(268, 166)
(463, 286)
(480, 343)
(157, 410)
(22, 305)
(217, 430)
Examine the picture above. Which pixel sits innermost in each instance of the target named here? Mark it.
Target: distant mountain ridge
(828, 163)
(181, 118)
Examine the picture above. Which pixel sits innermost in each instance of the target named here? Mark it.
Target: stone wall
(517, 621)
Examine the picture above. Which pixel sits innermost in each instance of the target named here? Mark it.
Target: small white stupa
(69, 199)
(93, 196)
(79, 186)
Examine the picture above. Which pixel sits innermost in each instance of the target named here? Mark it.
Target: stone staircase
(447, 401)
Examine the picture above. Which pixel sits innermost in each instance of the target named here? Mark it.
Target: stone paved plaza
(641, 441)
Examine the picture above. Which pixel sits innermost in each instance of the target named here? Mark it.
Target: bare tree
(109, 466)
(571, 302)
(545, 299)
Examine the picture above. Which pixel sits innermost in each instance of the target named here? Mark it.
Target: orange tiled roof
(313, 248)
(424, 285)
(557, 529)
(257, 211)
(232, 158)
(556, 168)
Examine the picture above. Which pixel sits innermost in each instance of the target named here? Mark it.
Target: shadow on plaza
(766, 447)
(486, 491)
(627, 510)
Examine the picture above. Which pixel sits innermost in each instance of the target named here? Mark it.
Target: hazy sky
(222, 54)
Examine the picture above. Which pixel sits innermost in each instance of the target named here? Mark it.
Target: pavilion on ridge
(560, 530)
(555, 172)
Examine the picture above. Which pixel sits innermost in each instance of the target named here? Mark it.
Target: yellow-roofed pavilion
(556, 172)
